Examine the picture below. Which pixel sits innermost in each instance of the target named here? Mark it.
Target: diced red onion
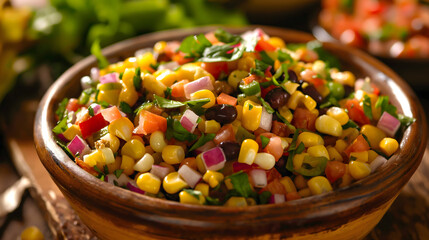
(121, 181)
(62, 138)
(132, 187)
(170, 65)
(377, 162)
(95, 73)
(190, 176)
(259, 177)
(78, 145)
(207, 146)
(199, 84)
(160, 171)
(189, 120)
(266, 120)
(236, 167)
(389, 124)
(358, 84)
(277, 198)
(109, 78)
(214, 159)
(96, 108)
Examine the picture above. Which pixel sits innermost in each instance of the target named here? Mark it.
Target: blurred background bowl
(347, 213)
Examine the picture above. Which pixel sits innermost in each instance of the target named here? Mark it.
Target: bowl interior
(377, 188)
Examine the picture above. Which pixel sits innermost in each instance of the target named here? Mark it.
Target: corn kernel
(346, 179)
(291, 87)
(144, 164)
(111, 141)
(173, 154)
(309, 139)
(277, 42)
(107, 154)
(213, 178)
(319, 67)
(319, 185)
(211, 126)
(204, 94)
(166, 76)
(298, 159)
(318, 151)
(145, 60)
(109, 96)
(345, 78)
(340, 145)
(93, 158)
(300, 182)
(372, 155)
(285, 143)
(122, 128)
(157, 141)
(239, 113)
(188, 198)
(249, 149)
(71, 132)
(334, 155)
(246, 62)
(338, 114)
(172, 183)
(228, 184)
(373, 134)
(149, 183)
(203, 188)
(329, 125)
(236, 76)
(130, 62)
(128, 95)
(200, 165)
(309, 102)
(32, 233)
(265, 161)
(388, 146)
(359, 156)
(359, 170)
(128, 77)
(134, 149)
(236, 202)
(306, 192)
(288, 184)
(150, 83)
(127, 165)
(286, 113)
(295, 99)
(252, 113)
(115, 165)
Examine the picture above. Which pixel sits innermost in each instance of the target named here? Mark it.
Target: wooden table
(408, 218)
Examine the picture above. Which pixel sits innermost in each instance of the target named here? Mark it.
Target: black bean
(277, 97)
(231, 150)
(293, 77)
(347, 90)
(222, 113)
(311, 91)
(281, 166)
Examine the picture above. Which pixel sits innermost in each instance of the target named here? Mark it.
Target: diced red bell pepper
(263, 45)
(356, 112)
(92, 125)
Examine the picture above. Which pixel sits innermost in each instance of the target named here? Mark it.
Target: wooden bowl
(348, 213)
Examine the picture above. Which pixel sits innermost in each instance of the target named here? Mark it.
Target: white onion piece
(109, 78)
(214, 159)
(199, 84)
(209, 145)
(170, 65)
(95, 74)
(189, 120)
(190, 176)
(377, 162)
(259, 178)
(86, 82)
(277, 198)
(160, 171)
(108, 155)
(266, 120)
(78, 145)
(121, 181)
(132, 186)
(389, 124)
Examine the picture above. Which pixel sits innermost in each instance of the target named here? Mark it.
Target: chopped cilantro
(264, 197)
(66, 149)
(324, 55)
(166, 103)
(266, 59)
(167, 92)
(266, 105)
(118, 172)
(284, 56)
(97, 169)
(125, 107)
(96, 51)
(213, 201)
(176, 130)
(194, 193)
(202, 140)
(106, 169)
(144, 106)
(194, 46)
(61, 108)
(137, 80)
(250, 107)
(240, 182)
(350, 124)
(104, 104)
(367, 107)
(91, 111)
(61, 126)
(385, 106)
(121, 75)
(264, 141)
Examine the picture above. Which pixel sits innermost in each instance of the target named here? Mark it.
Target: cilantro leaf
(118, 172)
(194, 46)
(350, 124)
(264, 197)
(61, 126)
(137, 80)
(166, 103)
(241, 184)
(96, 51)
(266, 59)
(284, 56)
(176, 130)
(213, 201)
(91, 111)
(406, 121)
(61, 108)
(167, 92)
(226, 37)
(385, 106)
(194, 193)
(367, 107)
(202, 140)
(222, 53)
(144, 106)
(324, 55)
(264, 141)
(266, 105)
(124, 107)
(292, 147)
(104, 104)
(65, 149)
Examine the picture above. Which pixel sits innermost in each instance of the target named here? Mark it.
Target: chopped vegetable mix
(246, 119)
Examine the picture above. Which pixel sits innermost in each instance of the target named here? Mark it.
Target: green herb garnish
(96, 51)
(202, 140)
(264, 141)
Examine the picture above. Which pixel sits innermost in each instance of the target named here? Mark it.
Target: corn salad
(222, 119)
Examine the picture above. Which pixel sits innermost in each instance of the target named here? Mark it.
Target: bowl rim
(361, 193)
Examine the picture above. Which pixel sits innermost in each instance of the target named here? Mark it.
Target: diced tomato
(280, 129)
(215, 68)
(171, 48)
(250, 79)
(275, 187)
(273, 174)
(303, 118)
(274, 146)
(73, 105)
(353, 38)
(224, 98)
(335, 170)
(264, 91)
(181, 58)
(226, 133)
(356, 113)
(110, 114)
(191, 162)
(311, 77)
(177, 89)
(149, 123)
(263, 45)
(92, 125)
(292, 196)
(358, 145)
(86, 167)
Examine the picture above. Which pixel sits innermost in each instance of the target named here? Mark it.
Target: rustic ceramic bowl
(348, 213)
